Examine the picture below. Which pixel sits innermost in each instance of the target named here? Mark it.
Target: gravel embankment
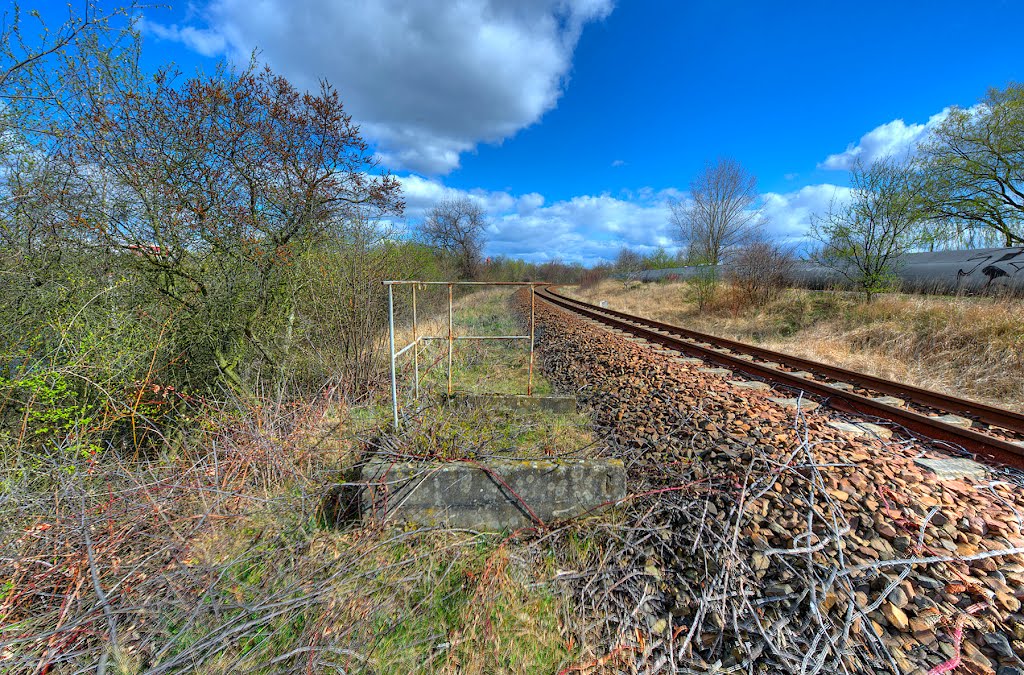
(761, 539)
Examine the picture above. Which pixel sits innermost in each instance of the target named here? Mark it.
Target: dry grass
(217, 558)
(963, 346)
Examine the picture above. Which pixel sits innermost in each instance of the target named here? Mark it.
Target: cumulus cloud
(585, 228)
(892, 139)
(426, 80)
(789, 214)
(204, 41)
(592, 228)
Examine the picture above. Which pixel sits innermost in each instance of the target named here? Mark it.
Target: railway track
(993, 433)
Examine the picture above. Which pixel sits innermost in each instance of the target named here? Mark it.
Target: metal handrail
(451, 337)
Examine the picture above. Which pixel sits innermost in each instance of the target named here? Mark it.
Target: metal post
(451, 339)
(391, 335)
(416, 349)
(533, 307)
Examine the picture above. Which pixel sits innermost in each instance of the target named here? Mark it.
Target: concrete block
(498, 495)
(955, 420)
(688, 360)
(953, 469)
(715, 371)
(557, 404)
(861, 429)
(751, 384)
(842, 386)
(804, 374)
(793, 403)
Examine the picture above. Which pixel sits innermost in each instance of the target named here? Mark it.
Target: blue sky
(574, 121)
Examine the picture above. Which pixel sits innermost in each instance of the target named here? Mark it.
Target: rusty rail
(686, 341)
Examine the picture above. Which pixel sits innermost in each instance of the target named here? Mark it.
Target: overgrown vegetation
(215, 550)
(964, 346)
(863, 239)
(191, 356)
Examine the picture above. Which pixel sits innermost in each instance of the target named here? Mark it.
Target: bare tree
(863, 238)
(456, 227)
(762, 269)
(628, 265)
(721, 213)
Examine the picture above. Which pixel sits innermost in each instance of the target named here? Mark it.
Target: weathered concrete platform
(500, 495)
(557, 404)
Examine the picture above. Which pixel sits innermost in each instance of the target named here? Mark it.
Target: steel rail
(982, 412)
(661, 333)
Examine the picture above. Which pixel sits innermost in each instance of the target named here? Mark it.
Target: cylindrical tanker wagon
(976, 271)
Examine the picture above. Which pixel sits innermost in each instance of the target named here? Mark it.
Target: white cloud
(789, 214)
(585, 228)
(619, 162)
(592, 228)
(426, 80)
(892, 139)
(204, 41)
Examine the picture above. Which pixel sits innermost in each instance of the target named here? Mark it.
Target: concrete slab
(861, 429)
(890, 400)
(493, 497)
(688, 360)
(751, 384)
(802, 403)
(955, 420)
(842, 386)
(557, 404)
(953, 469)
(804, 374)
(715, 371)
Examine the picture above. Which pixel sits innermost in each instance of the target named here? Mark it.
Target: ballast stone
(498, 495)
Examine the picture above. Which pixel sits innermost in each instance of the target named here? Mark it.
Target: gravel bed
(758, 538)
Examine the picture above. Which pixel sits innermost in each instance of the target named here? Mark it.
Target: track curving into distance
(994, 434)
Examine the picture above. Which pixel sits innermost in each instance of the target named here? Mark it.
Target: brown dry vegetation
(964, 346)
(218, 552)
